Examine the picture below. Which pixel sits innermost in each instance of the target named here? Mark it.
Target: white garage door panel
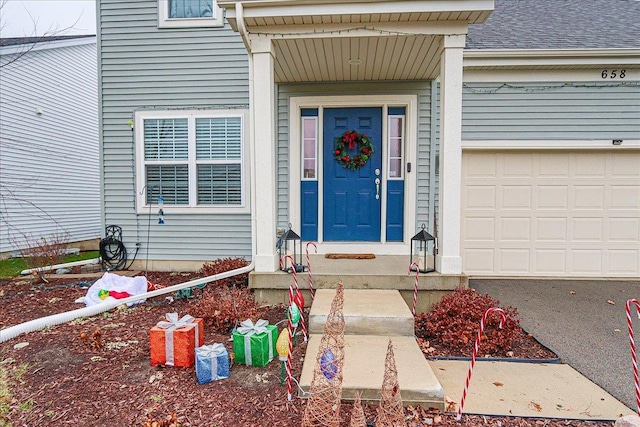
(551, 213)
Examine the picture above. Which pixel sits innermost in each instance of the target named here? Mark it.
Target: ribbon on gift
(212, 352)
(172, 323)
(248, 328)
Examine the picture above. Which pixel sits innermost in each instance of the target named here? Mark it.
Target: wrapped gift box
(255, 344)
(212, 363)
(173, 342)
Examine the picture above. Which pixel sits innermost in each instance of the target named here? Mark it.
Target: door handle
(377, 181)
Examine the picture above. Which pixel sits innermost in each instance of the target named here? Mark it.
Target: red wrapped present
(173, 341)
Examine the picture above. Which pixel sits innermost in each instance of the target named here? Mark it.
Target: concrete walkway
(547, 390)
(583, 322)
(551, 390)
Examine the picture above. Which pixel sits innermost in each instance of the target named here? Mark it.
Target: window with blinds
(194, 160)
(218, 155)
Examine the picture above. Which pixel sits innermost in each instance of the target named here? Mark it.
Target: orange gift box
(173, 342)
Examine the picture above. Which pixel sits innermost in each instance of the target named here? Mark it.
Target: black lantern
(290, 244)
(423, 251)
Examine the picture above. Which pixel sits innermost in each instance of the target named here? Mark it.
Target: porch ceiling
(363, 40)
(361, 59)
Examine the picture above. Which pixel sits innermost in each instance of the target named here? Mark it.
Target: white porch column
(263, 148)
(449, 260)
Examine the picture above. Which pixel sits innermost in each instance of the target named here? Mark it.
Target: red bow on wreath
(350, 138)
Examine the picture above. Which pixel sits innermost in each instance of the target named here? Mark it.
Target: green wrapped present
(255, 344)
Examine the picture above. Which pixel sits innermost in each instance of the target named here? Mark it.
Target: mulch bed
(72, 375)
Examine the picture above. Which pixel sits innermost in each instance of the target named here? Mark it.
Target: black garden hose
(113, 253)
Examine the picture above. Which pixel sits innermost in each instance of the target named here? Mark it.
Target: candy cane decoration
(634, 357)
(290, 327)
(292, 299)
(311, 288)
(415, 286)
(287, 365)
(503, 318)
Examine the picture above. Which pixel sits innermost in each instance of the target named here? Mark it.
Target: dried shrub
(43, 252)
(454, 322)
(222, 308)
(227, 264)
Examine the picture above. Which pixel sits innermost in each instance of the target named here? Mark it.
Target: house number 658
(620, 74)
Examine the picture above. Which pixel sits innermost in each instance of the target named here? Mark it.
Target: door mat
(350, 256)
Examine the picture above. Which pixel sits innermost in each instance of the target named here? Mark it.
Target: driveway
(582, 321)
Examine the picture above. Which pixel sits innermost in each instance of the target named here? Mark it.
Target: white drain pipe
(57, 266)
(56, 319)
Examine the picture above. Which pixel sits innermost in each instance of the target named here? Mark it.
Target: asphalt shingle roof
(559, 24)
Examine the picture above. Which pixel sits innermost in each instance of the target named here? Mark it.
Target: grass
(12, 267)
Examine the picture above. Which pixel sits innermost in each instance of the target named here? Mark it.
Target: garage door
(551, 213)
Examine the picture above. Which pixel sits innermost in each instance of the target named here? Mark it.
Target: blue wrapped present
(212, 363)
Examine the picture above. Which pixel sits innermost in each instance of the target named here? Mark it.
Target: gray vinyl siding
(285, 92)
(144, 67)
(551, 111)
(49, 162)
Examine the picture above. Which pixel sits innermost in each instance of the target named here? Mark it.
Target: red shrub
(454, 322)
(227, 264)
(223, 308)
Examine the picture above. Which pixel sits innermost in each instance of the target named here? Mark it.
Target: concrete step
(366, 312)
(363, 371)
(383, 272)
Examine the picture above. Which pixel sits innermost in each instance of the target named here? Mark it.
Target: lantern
(290, 244)
(423, 251)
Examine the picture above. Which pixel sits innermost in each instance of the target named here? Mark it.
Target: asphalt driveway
(582, 321)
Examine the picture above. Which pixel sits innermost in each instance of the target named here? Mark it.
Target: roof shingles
(559, 24)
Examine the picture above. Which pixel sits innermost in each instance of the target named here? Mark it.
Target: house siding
(49, 163)
(143, 67)
(551, 111)
(419, 88)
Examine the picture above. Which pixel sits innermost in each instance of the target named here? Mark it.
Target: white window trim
(165, 22)
(141, 203)
(410, 102)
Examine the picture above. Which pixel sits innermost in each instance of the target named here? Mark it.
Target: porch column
(263, 148)
(449, 260)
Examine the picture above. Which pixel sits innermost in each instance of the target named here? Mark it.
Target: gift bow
(212, 350)
(172, 323)
(249, 328)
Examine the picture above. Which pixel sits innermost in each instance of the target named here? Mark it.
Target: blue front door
(351, 201)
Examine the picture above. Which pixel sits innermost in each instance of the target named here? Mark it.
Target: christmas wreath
(353, 149)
